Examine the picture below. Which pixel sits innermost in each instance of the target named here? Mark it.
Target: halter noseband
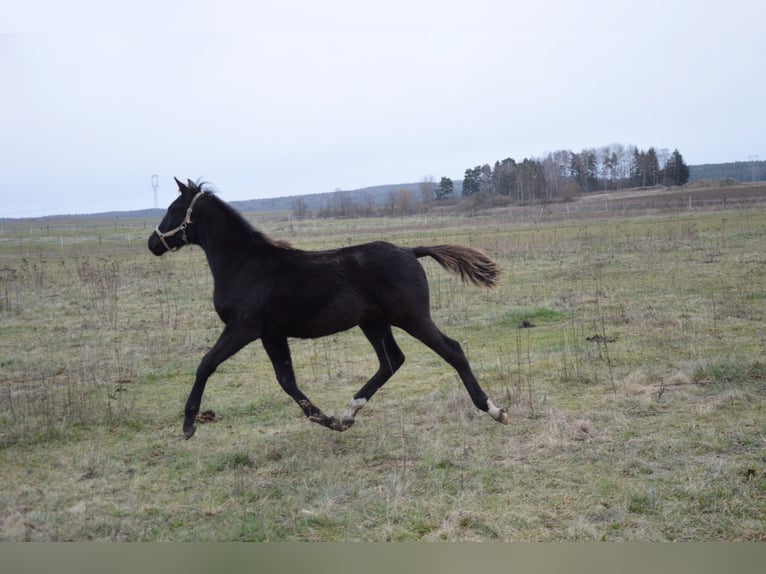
(182, 228)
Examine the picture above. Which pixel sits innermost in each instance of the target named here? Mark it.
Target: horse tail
(467, 263)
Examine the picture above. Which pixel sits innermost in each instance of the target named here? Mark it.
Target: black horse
(266, 289)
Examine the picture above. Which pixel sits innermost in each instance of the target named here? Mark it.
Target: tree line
(563, 174)
(559, 175)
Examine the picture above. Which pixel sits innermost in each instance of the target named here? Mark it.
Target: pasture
(628, 347)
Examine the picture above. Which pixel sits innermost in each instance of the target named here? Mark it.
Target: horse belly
(320, 318)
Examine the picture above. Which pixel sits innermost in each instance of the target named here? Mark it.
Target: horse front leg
(231, 340)
(279, 352)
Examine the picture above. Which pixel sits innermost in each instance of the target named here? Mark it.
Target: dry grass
(636, 399)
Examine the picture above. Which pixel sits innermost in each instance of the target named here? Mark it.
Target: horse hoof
(189, 432)
(503, 417)
(340, 425)
(332, 422)
(320, 420)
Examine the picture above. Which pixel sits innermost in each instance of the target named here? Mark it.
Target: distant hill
(376, 195)
(139, 213)
(742, 171)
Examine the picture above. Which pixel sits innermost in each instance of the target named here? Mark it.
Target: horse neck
(226, 241)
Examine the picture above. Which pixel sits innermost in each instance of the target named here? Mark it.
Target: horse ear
(190, 184)
(181, 186)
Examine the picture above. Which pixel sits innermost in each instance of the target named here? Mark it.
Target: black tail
(469, 264)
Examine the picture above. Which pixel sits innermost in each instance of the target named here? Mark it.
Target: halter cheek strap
(182, 228)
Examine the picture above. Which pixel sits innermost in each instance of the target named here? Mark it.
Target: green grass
(650, 430)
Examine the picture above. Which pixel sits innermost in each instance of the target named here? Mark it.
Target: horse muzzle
(157, 243)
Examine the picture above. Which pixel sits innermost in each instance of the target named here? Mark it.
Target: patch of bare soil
(207, 417)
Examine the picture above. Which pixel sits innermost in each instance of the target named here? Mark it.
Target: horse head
(177, 219)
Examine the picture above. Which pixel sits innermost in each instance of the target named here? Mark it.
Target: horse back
(321, 292)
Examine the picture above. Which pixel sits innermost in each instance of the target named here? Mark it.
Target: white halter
(182, 228)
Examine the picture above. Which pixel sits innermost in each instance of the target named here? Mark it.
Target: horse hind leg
(390, 358)
(449, 349)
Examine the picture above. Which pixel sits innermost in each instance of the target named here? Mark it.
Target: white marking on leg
(500, 415)
(494, 410)
(353, 408)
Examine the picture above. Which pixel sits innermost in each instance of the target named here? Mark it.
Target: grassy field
(636, 393)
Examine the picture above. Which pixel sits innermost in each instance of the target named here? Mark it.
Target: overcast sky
(275, 98)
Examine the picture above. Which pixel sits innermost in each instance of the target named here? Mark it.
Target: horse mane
(258, 236)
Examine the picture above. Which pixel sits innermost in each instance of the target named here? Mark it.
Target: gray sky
(275, 98)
